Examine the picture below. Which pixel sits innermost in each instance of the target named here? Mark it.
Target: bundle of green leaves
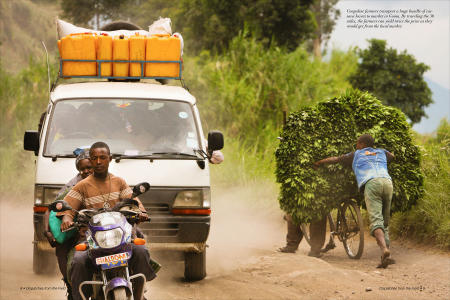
(331, 128)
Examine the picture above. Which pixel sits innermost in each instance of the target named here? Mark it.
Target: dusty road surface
(243, 262)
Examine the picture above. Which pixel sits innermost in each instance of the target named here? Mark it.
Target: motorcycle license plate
(113, 261)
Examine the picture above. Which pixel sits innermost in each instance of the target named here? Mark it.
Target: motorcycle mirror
(59, 205)
(140, 188)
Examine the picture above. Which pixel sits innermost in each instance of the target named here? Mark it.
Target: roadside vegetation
(23, 96)
(429, 220)
(242, 88)
(245, 91)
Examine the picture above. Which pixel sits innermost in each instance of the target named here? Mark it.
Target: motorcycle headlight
(109, 238)
(193, 198)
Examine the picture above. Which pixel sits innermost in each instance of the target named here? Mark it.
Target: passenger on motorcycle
(101, 190)
(84, 167)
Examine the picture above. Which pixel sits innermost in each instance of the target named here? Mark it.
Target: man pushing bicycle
(370, 167)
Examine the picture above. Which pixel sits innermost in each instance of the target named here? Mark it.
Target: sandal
(386, 260)
(330, 246)
(287, 249)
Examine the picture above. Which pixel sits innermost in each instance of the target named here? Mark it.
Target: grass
(24, 97)
(429, 220)
(247, 89)
(244, 165)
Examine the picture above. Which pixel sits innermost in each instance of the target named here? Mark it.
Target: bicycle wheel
(352, 230)
(305, 229)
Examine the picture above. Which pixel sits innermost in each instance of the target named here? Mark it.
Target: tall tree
(325, 14)
(395, 78)
(214, 23)
(145, 12)
(211, 24)
(83, 12)
(288, 23)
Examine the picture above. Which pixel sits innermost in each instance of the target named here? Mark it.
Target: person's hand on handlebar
(143, 217)
(67, 222)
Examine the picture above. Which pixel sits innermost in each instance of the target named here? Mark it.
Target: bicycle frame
(343, 231)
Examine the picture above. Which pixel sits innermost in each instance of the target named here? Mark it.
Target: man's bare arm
(73, 198)
(327, 161)
(141, 206)
(390, 156)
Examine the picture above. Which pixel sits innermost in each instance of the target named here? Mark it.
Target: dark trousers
(317, 232)
(61, 255)
(82, 268)
(61, 251)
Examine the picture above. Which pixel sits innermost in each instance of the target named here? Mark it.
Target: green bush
(429, 220)
(329, 129)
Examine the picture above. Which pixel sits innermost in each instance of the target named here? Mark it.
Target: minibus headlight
(50, 195)
(38, 195)
(44, 195)
(193, 198)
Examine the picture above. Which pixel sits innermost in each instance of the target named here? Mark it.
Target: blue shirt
(369, 163)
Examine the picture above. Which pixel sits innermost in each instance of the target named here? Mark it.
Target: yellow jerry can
(163, 48)
(78, 46)
(104, 52)
(137, 52)
(121, 51)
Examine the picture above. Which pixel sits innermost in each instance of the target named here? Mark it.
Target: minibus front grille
(157, 209)
(160, 229)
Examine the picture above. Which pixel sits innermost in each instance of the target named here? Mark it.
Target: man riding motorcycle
(101, 190)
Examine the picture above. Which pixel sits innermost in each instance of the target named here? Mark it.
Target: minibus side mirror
(31, 141)
(215, 141)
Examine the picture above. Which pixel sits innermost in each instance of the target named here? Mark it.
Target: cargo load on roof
(120, 54)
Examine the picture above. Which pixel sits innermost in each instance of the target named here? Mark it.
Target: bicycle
(348, 228)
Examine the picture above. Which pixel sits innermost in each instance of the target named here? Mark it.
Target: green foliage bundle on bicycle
(331, 128)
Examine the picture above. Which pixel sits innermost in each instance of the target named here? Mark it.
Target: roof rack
(101, 61)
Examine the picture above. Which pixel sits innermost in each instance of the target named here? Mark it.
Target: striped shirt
(93, 192)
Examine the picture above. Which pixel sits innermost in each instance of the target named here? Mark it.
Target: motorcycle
(109, 236)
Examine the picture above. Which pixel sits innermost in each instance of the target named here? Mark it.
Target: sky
(428, 43)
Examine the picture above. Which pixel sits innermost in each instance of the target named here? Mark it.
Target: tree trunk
(97, 12)
(318, 34)
(316, 48)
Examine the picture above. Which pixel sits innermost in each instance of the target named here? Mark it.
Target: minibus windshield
(129, 127)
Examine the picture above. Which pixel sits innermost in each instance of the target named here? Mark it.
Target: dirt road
(243, 262)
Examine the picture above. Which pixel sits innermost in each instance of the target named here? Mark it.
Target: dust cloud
(17, 280)
(16, 231)
(246, 221)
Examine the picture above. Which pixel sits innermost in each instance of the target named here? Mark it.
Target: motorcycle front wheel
(120, 294)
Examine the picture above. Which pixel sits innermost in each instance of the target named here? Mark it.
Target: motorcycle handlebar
(131, 217)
